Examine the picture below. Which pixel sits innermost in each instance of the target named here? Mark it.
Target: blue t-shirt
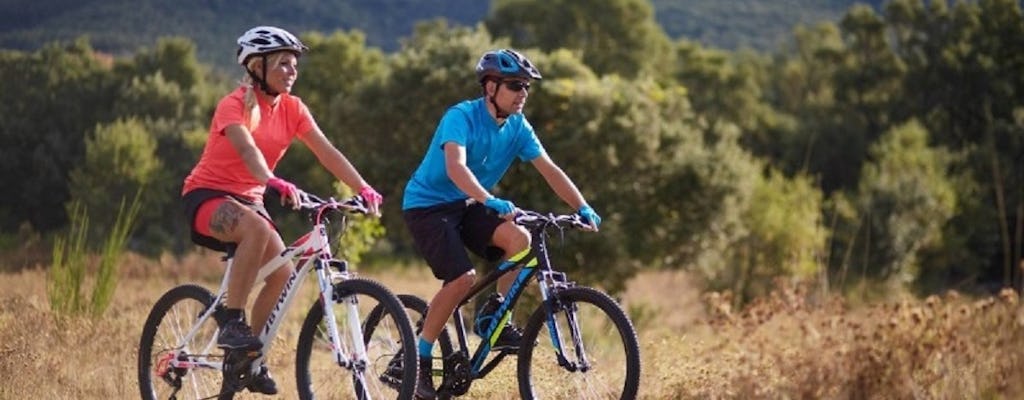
(490, 150)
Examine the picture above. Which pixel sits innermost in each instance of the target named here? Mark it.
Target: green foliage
(726, 90)
(904, 200)
(51, 98)
(164, 83)
(67, 272)
(340, 62)
(612, 36)
(120, 161)
(739, 24)
(110, 255)
(667, 193)
(360, 235)
(71, 260)
(785, 238)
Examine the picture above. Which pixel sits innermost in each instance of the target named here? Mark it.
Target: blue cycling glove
(502, 207)
(589, 215)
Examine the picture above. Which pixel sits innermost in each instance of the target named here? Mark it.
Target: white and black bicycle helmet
(267, 39)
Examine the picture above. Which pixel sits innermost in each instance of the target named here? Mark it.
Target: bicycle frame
(535, 263)
(312, 253)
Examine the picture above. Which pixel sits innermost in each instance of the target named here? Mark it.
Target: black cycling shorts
(195, 198)
(442, 233)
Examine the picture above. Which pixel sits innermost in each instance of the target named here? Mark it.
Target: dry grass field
(788, 346)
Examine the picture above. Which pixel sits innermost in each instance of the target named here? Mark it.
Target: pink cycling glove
(289, 192)
(373, 199)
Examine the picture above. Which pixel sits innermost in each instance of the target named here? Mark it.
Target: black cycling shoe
(262, 382)
(236, 335)
(510, 336)
(392, 376)
(509, 339)
(425, 380)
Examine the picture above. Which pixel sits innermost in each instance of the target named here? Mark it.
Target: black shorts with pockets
(442, 233)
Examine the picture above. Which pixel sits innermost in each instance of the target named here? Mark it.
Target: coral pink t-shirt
(221, 168)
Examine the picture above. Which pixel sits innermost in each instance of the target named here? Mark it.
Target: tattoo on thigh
(225, 218)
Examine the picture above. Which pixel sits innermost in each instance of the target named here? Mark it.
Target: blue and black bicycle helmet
(505, 63)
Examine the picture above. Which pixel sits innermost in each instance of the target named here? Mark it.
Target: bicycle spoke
(170, 366)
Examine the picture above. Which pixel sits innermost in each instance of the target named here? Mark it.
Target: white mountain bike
(335, 357)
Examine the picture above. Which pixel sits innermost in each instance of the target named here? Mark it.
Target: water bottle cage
(483, 322)
(487, 315)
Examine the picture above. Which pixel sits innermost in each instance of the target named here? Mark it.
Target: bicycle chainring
(237, 370)
(456, 374)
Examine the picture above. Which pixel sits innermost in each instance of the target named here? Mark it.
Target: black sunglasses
(516, 86)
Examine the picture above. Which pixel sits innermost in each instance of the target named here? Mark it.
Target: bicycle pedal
(391, 381)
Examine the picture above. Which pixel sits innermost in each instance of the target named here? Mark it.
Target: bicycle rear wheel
(597, 340)
(320, 376)
(173, 316)
(416, 309)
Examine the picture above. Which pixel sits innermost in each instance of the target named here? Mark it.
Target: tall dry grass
(789, 345)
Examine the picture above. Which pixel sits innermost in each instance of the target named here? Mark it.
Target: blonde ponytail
(251, 106)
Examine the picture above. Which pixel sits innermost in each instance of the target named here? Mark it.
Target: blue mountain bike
(578, 343)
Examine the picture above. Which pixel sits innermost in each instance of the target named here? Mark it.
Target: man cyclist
(448, 205)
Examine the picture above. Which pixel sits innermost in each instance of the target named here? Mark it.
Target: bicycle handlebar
(311, 202)
(536, 220)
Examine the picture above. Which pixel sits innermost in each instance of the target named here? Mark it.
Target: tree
(784, 238)
(52, 99)
(903, 201)
(120, 161)
(964, 66)
(613, 36)
(727, 89)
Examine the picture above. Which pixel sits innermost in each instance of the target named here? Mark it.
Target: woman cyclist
(223, 195)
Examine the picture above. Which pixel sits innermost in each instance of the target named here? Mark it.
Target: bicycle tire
(417, 310)
(610, 345)
(315, 367)
(173, 316)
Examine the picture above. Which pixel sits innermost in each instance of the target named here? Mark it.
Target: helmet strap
(499, 113)
(262, 81)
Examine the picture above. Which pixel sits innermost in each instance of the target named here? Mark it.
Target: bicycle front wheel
(318, 372)
(171, 367)
(595, 353)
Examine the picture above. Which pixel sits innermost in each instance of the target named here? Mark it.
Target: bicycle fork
(355, 358)
(551, 283)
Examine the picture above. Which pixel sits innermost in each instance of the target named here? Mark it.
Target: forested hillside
(760, 25)
(122, 26)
